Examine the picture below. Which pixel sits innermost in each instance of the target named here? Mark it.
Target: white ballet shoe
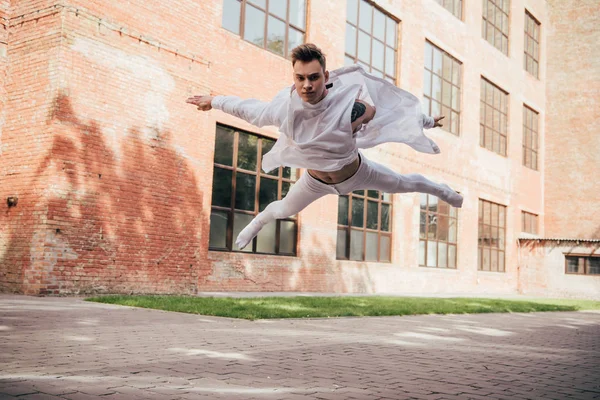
(247, 234)
(453, 198)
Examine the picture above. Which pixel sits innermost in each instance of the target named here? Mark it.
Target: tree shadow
(122, 223)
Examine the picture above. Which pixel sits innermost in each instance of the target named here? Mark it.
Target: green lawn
(324, 307)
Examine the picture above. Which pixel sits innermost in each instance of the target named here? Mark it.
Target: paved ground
(65, 348)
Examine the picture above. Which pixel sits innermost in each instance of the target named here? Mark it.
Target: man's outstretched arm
(256, 112)
(431, 122)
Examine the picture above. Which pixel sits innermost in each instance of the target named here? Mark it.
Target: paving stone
(54, 351)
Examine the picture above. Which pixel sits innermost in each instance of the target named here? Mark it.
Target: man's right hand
(202, 102)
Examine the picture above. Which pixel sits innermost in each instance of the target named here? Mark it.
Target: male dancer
(323, 119)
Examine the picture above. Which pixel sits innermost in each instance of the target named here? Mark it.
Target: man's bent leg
(302, 193)
(373, 175)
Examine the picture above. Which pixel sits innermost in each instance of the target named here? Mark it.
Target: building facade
(113, 183)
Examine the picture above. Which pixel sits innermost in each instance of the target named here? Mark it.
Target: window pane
(385, 217)
(436, 87)
(254, 27)
(494, 260)
(423, 225)
(348, 61)
(486, 259)
(295, 38)
(374, 194)
(437, 62)
(427, 83)
(278, 8)
(572, 265)
(247, 152)
(452, 230)
(265, 240)
(240, 221)
(276, 36)
(431, 253)
(267, 193)
(372, 247)
(451, 256)
(352, 11)
(422, 244)
(390, 28)
(221, 193)
(593, 265)
(218, 230)
(356, 245)
(390, 61)
(442, 226)
(358, 209)
(245, 191)
(340, 252)
(298, 13)
(351, 40)
(224, 146)
(364, 47)
(287, 237)
(384, 248)
(343, 210)
(260, 3)
(372, 210)
(442, 255)
(231, 16)
(378, 55)
(365, 16)
(379, 25)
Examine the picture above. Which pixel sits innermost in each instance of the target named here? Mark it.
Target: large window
(364, 226)
(530, 138)
(441, 87)
(492, 235)
(275, 25)
(454, 6)
(241, 190)
(582, 264)
(437, 238)
(531, 62)
(493, 121)
(529, 223)
(494, 24)
(371, 39)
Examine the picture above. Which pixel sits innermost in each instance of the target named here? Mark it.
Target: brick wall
(571, 185)
(114, 171)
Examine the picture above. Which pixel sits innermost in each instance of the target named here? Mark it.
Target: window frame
(586, 266)
(530, 219)
(426, 240)
(531, 132)
(288, 24)
(380, 233)
(429, 98)
(258, 174)
(535, 58)
(355, 59)
(503, 116)
(481, 228)
(443, 4)
(486, 24)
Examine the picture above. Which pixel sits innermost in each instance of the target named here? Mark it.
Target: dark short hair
(306, 53)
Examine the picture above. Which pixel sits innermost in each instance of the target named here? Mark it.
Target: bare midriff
(333, 177)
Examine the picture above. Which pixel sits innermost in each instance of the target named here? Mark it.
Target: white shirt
(319, 136)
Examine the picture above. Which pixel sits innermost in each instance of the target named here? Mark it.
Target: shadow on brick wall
(129, 223)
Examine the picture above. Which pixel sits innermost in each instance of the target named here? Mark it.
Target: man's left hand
(437, 121)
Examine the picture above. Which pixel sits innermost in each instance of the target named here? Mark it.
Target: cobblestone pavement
(65, 348)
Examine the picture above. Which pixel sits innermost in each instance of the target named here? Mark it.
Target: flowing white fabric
(320, 136)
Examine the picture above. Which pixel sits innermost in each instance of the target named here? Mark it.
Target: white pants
(370, 175)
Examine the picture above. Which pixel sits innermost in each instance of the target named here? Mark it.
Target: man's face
(310, 79)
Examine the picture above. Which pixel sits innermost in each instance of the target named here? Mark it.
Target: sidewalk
(65, 348)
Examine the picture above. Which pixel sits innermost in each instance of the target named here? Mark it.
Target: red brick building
(111, 183)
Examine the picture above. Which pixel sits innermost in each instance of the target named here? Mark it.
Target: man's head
(310, 73)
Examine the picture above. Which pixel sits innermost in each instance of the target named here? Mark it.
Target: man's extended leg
(372, 175)
(302, 193)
